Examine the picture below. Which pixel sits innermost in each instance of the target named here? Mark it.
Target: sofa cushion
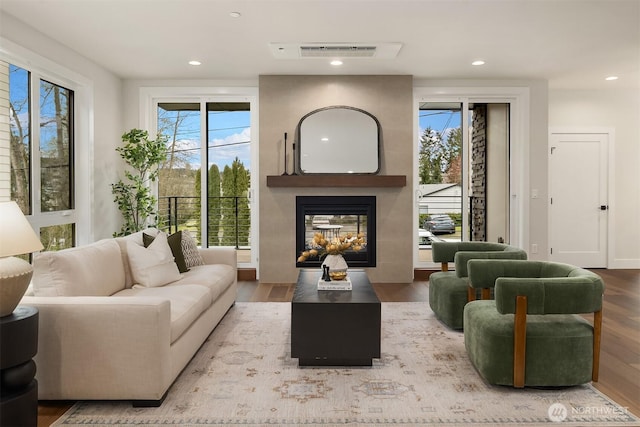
(152, 266)
(216, 277)
(175, 243)
(137, 239)
(90, 270)
(190, 250)
(187, 303)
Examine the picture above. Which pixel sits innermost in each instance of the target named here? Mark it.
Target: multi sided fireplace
(337, 216)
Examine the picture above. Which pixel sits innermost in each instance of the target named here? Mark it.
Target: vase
(337, 266)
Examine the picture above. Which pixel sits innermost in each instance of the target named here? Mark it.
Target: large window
(464, 175)
(205, 184)
(41, 154)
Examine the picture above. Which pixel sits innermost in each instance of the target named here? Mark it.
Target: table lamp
(16, 238)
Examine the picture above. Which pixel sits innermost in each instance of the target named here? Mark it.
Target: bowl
(338, 275)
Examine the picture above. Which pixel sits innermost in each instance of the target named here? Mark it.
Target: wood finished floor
(619, 361)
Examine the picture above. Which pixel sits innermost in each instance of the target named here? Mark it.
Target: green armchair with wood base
(449, 290)
(533, 332)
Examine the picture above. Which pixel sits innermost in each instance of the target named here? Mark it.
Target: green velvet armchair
(533, 333)
(449, 290)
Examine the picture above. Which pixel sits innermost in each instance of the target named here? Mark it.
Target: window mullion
(466, 178)
(36, 184)
(204, 176)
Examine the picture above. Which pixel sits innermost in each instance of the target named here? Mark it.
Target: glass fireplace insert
(335, 216)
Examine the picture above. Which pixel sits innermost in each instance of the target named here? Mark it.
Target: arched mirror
(338, 140)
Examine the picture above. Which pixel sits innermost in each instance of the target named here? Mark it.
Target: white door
(578, 196)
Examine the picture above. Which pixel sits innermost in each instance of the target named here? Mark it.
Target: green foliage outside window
(235, 219)
(439, 156)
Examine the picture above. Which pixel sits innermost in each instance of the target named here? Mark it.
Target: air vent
(335, 50)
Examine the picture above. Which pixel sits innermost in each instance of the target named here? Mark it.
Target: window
(41, 151)
(463, 171)
(205, 184)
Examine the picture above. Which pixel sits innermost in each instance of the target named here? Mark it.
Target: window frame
(518, 99)
(81, 133)
(150, 97)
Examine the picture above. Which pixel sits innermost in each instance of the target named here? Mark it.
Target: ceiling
(572, 44)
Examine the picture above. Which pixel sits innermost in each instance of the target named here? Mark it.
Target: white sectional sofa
(117, 322)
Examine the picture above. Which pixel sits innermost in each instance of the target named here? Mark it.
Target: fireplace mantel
(336, 181)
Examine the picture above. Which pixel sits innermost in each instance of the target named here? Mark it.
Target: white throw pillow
(152, 266)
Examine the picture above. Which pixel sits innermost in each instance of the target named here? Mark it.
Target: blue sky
(229, 137)
(439, 120)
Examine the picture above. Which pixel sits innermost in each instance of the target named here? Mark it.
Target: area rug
(244, 376)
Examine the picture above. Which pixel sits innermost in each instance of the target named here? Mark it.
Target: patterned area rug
(244, 375)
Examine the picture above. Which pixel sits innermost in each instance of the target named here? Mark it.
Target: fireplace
(333, 216)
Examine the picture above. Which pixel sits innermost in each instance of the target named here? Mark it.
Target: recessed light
(235, 14)
(336, 62)
(478, 62)
(611, 78)
(195, 63)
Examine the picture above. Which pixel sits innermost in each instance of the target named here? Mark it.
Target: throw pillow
(175, 243)
(192, 256)
(152, 266)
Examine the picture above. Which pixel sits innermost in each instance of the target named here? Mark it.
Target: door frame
(518, 99)
(150, 96)
(610, 132)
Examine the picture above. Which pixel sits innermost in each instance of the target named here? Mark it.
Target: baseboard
(625, 264)
(247, 274)
(421, 274)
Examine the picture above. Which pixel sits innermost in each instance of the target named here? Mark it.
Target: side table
(18, 387)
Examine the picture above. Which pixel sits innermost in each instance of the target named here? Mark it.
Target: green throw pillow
(175, 243)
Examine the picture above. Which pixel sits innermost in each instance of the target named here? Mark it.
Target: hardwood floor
(619, 360)
(620, 353)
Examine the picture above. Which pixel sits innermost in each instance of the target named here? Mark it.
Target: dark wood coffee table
(335, 328)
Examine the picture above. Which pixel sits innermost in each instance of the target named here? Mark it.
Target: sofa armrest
(120, 343)
(219, 255)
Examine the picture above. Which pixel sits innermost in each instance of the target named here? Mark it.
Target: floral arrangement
(321, 246)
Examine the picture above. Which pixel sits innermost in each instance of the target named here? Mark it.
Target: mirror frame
(300, 140)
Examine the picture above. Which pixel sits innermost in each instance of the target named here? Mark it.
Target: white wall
(616, 108)
(100, 95)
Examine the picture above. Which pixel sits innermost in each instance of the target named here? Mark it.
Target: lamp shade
(16, 235)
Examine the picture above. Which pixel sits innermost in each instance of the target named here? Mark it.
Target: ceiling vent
(335, 50)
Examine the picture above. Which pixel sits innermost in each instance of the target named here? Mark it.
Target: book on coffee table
(335, 285)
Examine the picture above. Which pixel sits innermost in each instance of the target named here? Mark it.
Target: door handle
(604, 207)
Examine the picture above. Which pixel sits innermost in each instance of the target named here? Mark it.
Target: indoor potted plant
(134, 197)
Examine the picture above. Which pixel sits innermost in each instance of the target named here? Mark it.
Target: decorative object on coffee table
(337, 267)
(17, 238)
(332, 249)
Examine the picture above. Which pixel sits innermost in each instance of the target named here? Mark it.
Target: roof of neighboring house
(431, 189)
